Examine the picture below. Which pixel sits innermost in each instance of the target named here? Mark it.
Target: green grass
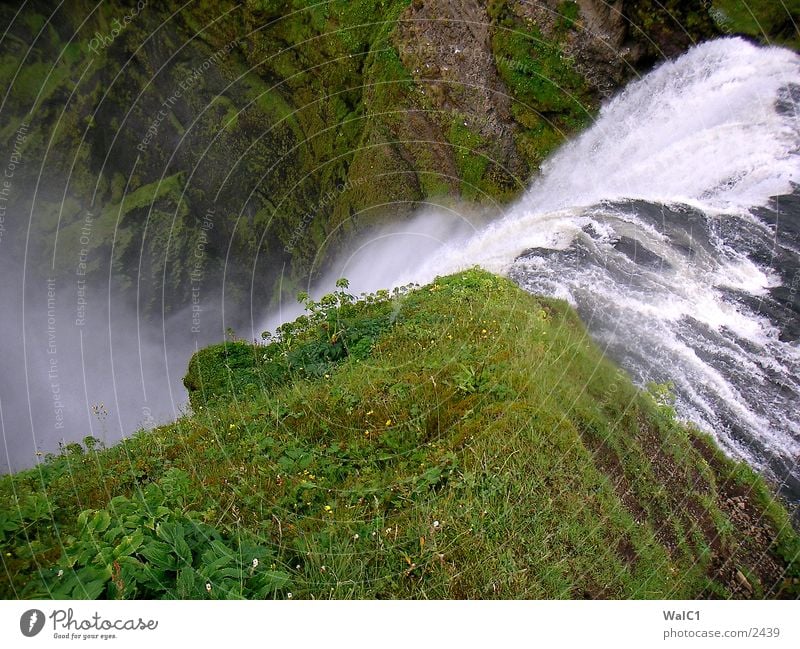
(460, 440)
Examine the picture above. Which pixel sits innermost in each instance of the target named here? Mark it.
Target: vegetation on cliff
(268, 133)
(772, 23)
(462, 439)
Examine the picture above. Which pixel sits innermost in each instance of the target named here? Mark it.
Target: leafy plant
(470, 380)
(142, 548)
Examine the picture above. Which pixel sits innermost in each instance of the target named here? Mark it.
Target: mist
(387, 256)
(79, 356)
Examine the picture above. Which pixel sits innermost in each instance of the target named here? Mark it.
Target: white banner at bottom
(398, 623)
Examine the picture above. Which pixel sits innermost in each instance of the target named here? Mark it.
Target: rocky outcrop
(297, 130)
(447, 48)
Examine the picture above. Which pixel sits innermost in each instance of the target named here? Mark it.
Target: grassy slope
(463, 439)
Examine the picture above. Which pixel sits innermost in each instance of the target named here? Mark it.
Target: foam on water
(645, 223)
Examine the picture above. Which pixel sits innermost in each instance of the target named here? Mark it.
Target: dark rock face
(447, 48)
(618, 40)
(666, 29)
(598, 46)
(297, 129)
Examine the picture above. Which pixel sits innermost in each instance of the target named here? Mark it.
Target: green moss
(39, 80)
(771, 22)
(223, 370)
(666, 28)
(109, 223)
(552, 98)
(471, 164)
(569, 11)
(478, 173)
(321, 97)
(33, 21)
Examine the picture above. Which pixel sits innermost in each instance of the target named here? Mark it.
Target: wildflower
(60, 573)
(208, 586)
(328, 508)
(436, 523)
(288, 596)
(355, 537)
(232, 426)
(369, 413)
(388, 422)
(255, 563)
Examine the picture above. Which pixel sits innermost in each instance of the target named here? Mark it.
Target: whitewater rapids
(660, 225)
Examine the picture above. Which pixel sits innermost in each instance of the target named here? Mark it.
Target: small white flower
(436, 523)
(208, 586)
(60, 573)
(355, 537)
(255, 563)
(288, 596)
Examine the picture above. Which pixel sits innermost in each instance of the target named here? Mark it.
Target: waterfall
(660, 224)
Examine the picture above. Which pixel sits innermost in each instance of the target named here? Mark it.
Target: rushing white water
(655, 224)
(702, 131)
